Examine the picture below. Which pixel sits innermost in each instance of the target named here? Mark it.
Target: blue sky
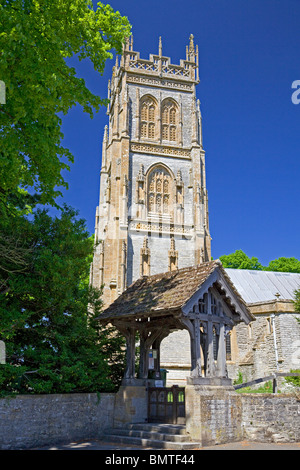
(249, 54)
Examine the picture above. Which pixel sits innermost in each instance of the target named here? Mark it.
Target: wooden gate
(166, 405)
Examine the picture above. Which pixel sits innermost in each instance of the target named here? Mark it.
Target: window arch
(147, 117)
(169, 120)
(159, 183)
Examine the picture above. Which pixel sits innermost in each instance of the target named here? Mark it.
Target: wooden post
(197, 348)
(193, 349)
(148, 339)
(210, 368)
(130, 354)
(143, 366)
(221, 359)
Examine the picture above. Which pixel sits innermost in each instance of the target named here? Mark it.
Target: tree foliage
(288, 265)
(36, 36)
(297, 301)
(53, 344)
(239, 260)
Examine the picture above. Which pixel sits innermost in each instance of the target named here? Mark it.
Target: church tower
(153, 211)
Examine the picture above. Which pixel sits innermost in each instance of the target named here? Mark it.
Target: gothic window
(214, 307)
(158, 204)
(166, 203)
(159, 191)
(151, 205)
(158, 185)
(151, 130)
(202, 305)
(143, 129)
(169, 121)
(147, 123)
(151, 110)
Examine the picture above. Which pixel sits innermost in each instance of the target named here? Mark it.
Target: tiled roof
(161, 292)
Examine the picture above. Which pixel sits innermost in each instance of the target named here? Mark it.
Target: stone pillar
(131, 404)
(213, 414)
(131, 400)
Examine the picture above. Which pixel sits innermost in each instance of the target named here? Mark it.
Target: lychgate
(201, 299)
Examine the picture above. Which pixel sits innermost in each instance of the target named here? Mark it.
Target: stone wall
(271, 418)
(255, 353)
(219, 416)
(213, 414)
(29, 421)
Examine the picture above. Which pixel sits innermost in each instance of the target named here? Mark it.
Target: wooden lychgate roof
(170, 293)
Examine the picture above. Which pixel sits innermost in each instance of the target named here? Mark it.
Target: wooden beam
(204, 317)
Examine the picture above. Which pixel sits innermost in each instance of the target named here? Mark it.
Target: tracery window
(169, 121)
(202, 304)
(147, 123)
(159, 191)
(214, 307)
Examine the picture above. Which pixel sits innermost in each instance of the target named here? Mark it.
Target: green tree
(36, 38)
(297, 301)
(289, 265)
(53, 344)
(239, 260)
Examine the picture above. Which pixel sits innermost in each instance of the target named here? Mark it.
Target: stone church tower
(153, 213)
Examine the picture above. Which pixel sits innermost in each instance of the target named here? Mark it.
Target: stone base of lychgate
(131, 403)
(213, 412)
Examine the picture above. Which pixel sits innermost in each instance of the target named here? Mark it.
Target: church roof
(262, 286)
(169, 291)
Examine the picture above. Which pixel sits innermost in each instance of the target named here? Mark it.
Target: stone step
(149, 435)
(151, 443)
(159, 427)
(159, 436)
